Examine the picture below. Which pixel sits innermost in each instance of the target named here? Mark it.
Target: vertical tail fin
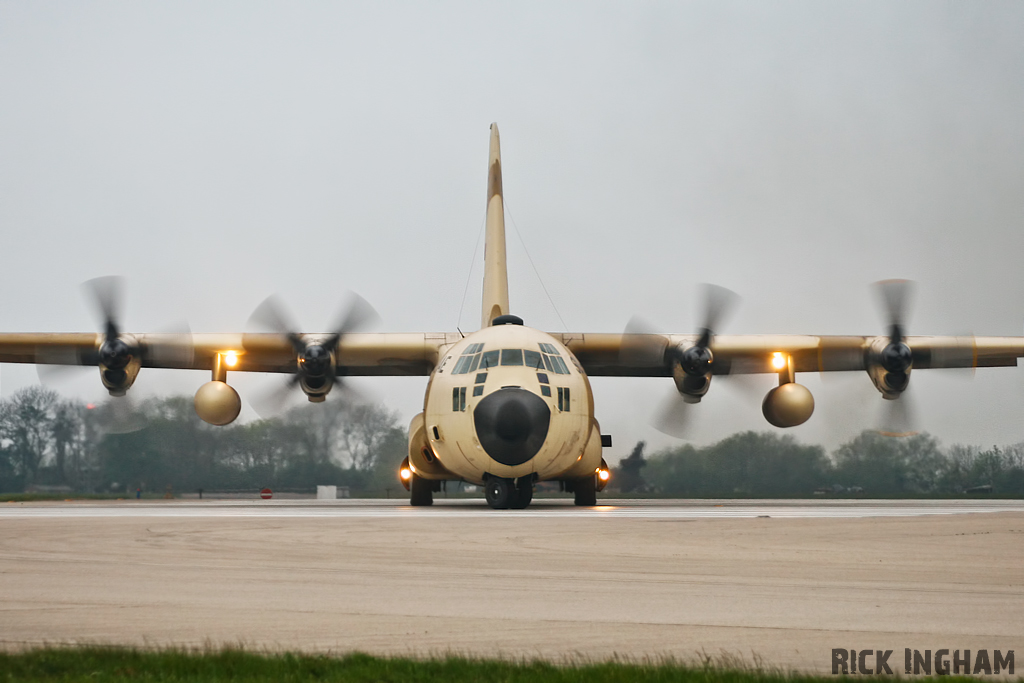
(495, 300)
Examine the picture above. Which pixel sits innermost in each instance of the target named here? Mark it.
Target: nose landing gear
(503, 494)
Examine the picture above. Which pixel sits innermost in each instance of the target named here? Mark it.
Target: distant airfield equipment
(508, 406)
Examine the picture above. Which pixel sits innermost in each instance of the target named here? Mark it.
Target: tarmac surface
(776, 582)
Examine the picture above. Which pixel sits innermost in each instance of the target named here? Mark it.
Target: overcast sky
(214, 153)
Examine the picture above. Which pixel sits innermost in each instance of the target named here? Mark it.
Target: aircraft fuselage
(507, 401)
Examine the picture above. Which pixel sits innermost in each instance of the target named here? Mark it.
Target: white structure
(326, 492)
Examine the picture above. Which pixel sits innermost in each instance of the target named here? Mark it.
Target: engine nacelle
(788, 405)
(119, 364)
(316, 367)
(217, 403)
(691, 386)
(889, 368)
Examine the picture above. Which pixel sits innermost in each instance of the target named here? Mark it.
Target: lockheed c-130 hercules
(508, 406)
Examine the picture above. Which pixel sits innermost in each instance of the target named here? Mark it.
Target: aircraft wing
(357, 354)
(600, 354)
(645, 355)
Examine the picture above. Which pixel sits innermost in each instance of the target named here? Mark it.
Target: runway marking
(464, 508)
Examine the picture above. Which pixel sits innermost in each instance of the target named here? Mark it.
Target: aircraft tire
(500, 492)
(523, 494)
(421, 491)
(585, 490)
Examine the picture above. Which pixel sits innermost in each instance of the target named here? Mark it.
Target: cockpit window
(462, 366)
(515, 357)
(558, 366)
(489, 360)
(470, 360)
(511, 356)
(552, 360)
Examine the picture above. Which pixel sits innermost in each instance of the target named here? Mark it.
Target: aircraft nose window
(469, 361)
(553, 360)
(558, 366)
(489, 360)
(511, 356)
(532, 360)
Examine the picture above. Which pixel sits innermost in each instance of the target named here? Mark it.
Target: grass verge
(30, 497)
(100, 664)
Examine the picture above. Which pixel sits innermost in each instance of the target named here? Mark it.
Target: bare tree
(26, 429)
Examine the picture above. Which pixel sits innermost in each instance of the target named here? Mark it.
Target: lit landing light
(230, 359)
(604, 475)
(405, 474)
(778, 360)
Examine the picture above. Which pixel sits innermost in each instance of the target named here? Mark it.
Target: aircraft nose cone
(512, 425)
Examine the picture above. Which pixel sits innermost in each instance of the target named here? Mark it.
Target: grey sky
(214, 153)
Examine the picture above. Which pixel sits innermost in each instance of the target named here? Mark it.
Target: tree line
(117, 446)
(752, 464)
(160, 443)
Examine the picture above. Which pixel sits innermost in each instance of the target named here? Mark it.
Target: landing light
(405, 474)
(230, 359)
(778, 360)
(604, 475)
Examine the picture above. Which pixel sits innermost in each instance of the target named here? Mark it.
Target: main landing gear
(421, 491)
(585, 491)
(503, 494)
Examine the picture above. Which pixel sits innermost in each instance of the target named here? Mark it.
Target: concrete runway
(782, 582)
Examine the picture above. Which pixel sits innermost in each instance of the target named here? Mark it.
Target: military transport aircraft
(508, 406)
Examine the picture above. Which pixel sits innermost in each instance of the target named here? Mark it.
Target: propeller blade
(172, 346)
(674, 416)
(121, 415)
(749, 388)
(358, 315)
(278, 399)
(640, 346)
(898, 417)
(272, 316)
(106, 294)
(894, 296)
(719, 303)
(960, 353)
(56, 364)
(836, 354)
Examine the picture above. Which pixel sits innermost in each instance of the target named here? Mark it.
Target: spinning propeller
(691, 366)
(119, 356)
(315, 369)
(889, 362)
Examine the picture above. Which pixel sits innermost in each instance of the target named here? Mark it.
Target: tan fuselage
(445, 442)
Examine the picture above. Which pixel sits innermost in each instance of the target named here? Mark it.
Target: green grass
(99, 664)
(28, 497)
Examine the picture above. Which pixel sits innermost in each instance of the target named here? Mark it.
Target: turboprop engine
(692, 366)
(889, 367)
(120, 356)
(119, 361)
(889, 361)
(316, 369)
(691, 369)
